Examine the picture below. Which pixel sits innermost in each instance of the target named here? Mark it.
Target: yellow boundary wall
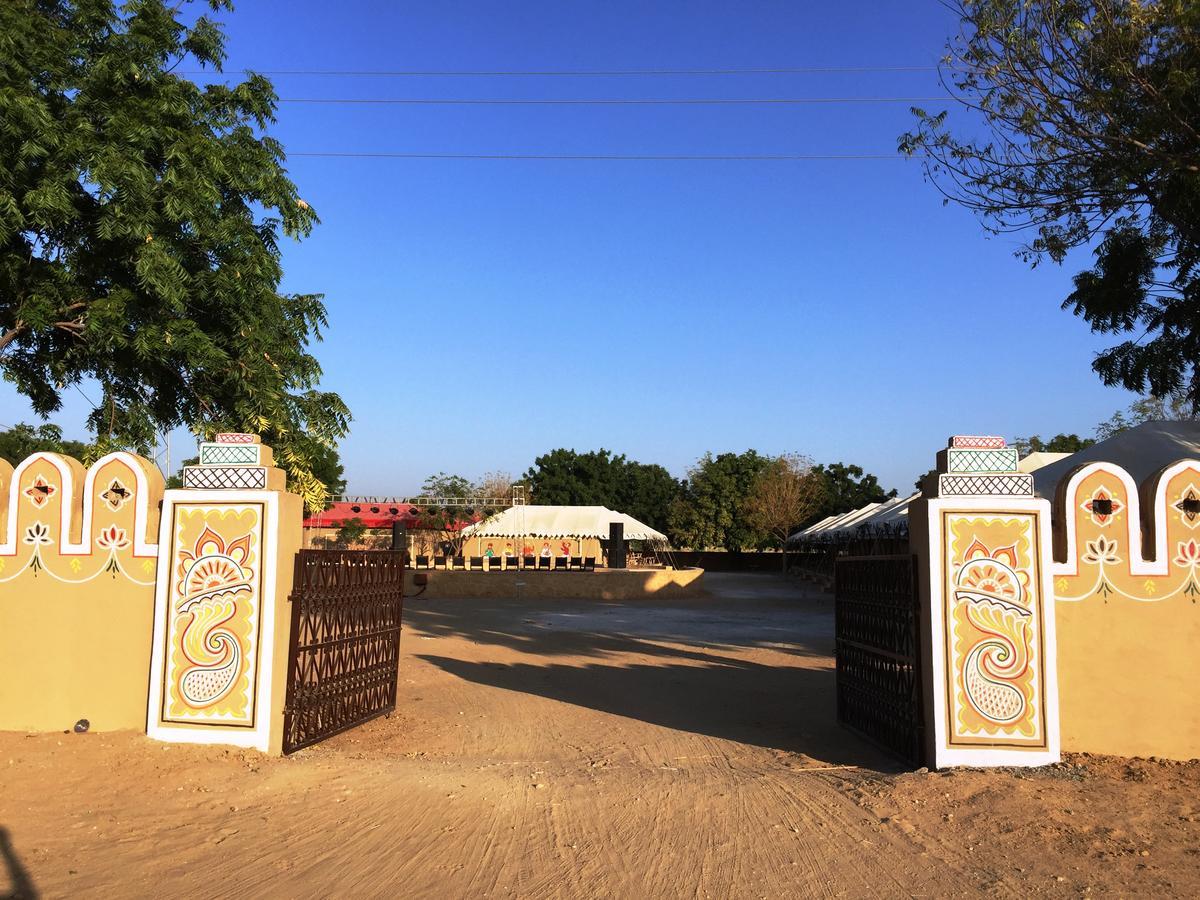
(78, 555)
(1127, 587)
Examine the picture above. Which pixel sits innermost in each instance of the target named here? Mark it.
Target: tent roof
(1140, 451)
(561, 521)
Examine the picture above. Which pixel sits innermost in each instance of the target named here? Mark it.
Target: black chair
(589, 564)
(459, 562)
(476, 562)
(577, 563)
(563, 563)
(439, 562)
(529, 562)
(543, 562)
(422, 562)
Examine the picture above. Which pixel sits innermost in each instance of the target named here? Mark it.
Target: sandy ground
(683, 749)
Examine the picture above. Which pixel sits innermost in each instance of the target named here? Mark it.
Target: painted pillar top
(235, 461)
(979, 466)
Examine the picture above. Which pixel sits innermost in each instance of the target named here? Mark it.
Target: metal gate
(344, 646)
(878, 652)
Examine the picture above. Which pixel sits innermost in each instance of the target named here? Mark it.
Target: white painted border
(1138, 564)
(141, 501)
(935, 672)
(258, 737)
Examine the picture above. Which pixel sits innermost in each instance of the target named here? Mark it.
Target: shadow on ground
(685, 665)
(19, 886)
(780, 708)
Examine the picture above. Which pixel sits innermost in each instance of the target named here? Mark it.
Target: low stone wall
(605, 584)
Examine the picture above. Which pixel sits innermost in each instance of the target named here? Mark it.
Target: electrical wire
(636, 157)
(617, 101)
(566, 73)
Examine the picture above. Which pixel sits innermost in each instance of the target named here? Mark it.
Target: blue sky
(483, 312)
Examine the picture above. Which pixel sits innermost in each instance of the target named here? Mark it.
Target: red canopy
(379, 515)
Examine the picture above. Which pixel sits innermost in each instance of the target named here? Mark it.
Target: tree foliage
(140, 219)
(711, 509)
(786, 492)
(600, 478)
(1174, 408)
(847, 487)
(24, 440)
(1090, 114)
(443, 485)
(1060, 443)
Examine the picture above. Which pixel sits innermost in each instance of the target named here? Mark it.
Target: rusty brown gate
(344, 647)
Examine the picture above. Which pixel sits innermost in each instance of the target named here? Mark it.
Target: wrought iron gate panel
(878, 652)
(345, 642)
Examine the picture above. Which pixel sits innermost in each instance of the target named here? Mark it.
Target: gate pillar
(981, 542)
(228, 542)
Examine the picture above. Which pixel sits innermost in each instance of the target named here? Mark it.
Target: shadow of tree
(784, 708)
(20, 886)
(607, 628)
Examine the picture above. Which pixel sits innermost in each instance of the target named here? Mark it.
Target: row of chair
(501, 563)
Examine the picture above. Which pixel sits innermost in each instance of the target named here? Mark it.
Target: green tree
(847, 487)
(711, 509)
(23, 440)
(140, 220)
(1174, 408)
(350, 533)
(326, 466)
(1060, 443)
(646, 491)
(443, 485)
(1090, 120)
(786, 492)
(601, 478)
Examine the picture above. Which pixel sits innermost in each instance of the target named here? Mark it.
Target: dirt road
(683, 749)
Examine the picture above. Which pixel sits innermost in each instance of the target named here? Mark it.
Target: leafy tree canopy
(847, 487)
(600, 478)
(1174, 408)
(1060, 443)
(140, 219)
(1090, 113)
(711, 510)
(786, 492)
(23, 440)
(443, 485)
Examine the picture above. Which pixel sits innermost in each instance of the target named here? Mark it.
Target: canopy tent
(1140, 451)
(561, 522)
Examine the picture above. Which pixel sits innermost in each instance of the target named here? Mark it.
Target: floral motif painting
(994, 631)
(1101, 537)
(215, 594)
(106, 532)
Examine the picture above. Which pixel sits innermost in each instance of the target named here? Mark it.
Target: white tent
(1140, 451)
(561, 522)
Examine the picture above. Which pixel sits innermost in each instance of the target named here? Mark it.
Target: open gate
(878, 652)
(344, 649)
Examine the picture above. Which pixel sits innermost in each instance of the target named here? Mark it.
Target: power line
(639, 157)
(621, 101)
(567, 73)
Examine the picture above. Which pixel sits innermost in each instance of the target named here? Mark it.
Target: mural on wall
(981, 540)
(211, 632)
(1099, 539)
(221, 599)
(72, 527)
(993, 616)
